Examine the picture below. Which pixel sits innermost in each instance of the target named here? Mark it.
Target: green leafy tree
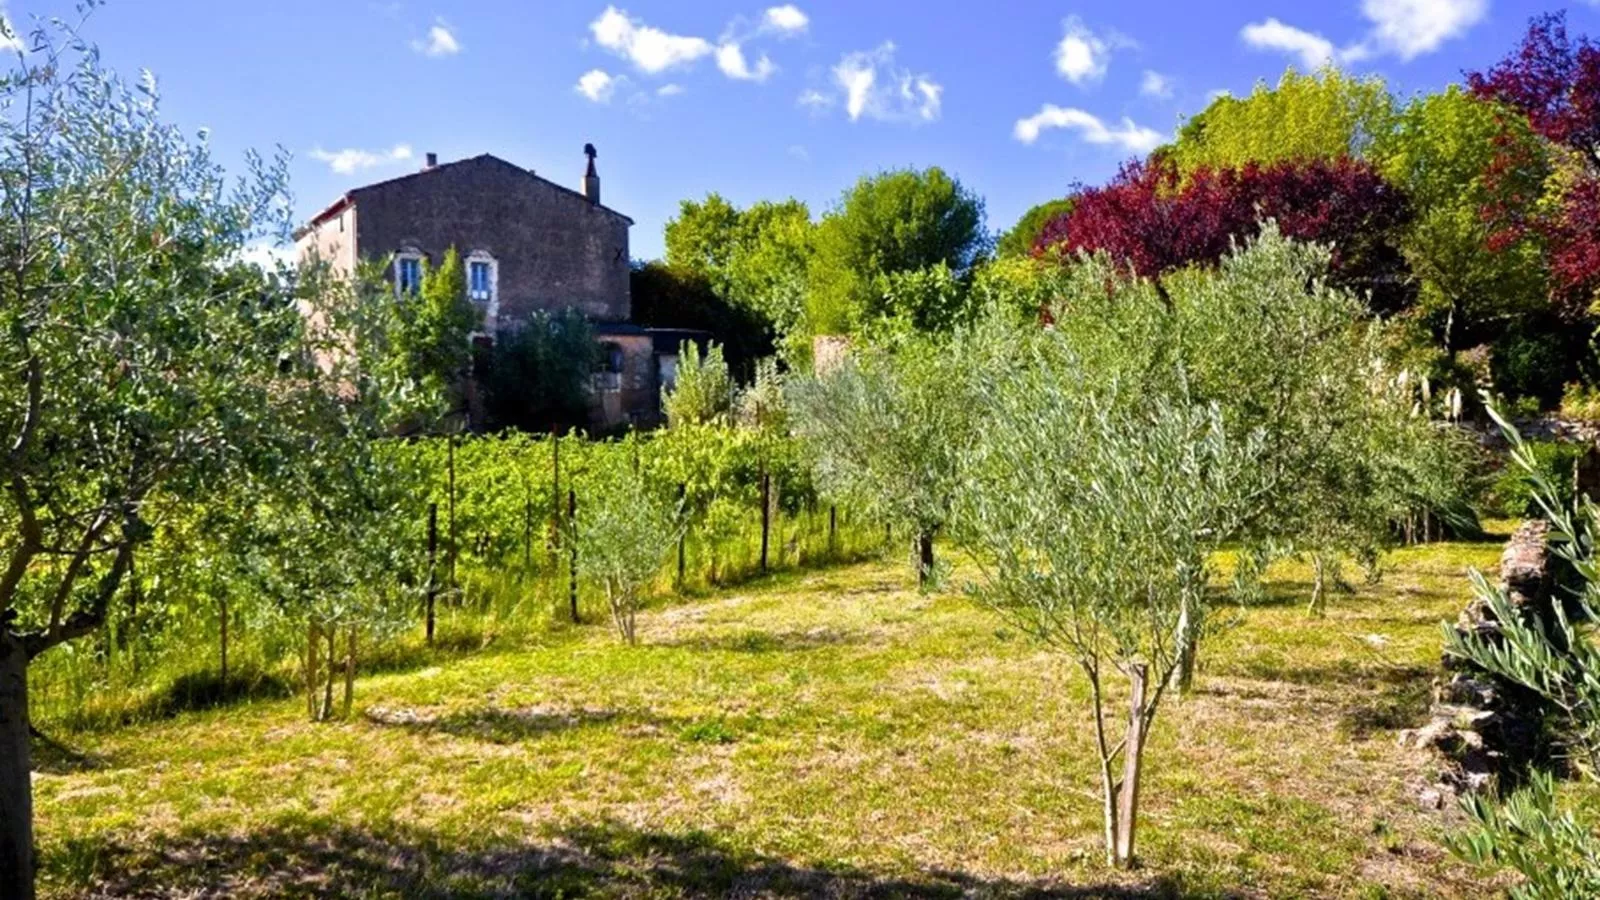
(767, 271)
(754, 259)
(538, 374)
(703, 391)
(1441, 152)
(1022, 237)
(1093, 517)
(332, 537)
(434, 327)
(894, 222)
(1322, 116)
(142, 362)
(702, 237)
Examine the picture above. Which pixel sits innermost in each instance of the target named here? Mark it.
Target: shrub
(537, 376)
(703, 392)
(622, 532)
(1552, 653)
(1554, 462)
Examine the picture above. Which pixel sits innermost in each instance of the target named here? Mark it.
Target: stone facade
(548, 248)
(552, 248)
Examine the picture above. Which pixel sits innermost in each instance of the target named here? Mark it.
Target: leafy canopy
(894, 222)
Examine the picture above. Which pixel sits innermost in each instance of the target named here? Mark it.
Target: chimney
(591, 180)
(433, 162)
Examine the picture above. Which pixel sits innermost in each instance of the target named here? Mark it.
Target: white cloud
(786, 19)
(1127, 135)
(598, 85)
(350, 160)
(1155, 84)
(1081, 56)
(1314, 50)
(441, 41)
(799, 152)
(268, 254)
(730, 59)
(651, 50)
(1410, 28)
(873, 87)
(815, 100)
(669, 90)
(10, 40)
(1403, 28)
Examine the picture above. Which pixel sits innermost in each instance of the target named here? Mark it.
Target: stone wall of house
(631, 396)
(332, 241)
(553, 249)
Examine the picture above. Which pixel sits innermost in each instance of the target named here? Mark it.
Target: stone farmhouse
(527, 244)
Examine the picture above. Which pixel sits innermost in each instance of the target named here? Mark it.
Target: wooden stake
(433, 566)
(572, 557)
(1132, 760)
(766, 516)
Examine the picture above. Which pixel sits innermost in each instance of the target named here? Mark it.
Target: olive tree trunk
(16, 779)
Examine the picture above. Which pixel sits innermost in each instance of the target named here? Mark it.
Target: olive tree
(139, 358)
(624, 528)
(1092, 518)
(884, 429)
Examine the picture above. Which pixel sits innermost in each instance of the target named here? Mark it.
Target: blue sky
(1019, 100)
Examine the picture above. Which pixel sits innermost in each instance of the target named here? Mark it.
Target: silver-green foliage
(1093, 516)
(704, 390)
(624, 527)
(884, 430)
(1282, 352)
(1553, 654)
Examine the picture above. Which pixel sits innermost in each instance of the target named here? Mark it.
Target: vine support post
(450, 551)
(572, 557)
(766, 516)
(433, 567)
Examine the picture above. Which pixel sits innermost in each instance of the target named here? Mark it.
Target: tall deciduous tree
(1155, 220)
(1554, 82)
(1442, 151)
(434, 327)
(894, 222)
(1022, 237)
(1325, 116)
(754, 259)
(138, 357)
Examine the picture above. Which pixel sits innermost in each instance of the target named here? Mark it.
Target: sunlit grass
(832, 733)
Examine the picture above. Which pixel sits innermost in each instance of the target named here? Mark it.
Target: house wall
(553, 248)
(333, 241)
(632, 396)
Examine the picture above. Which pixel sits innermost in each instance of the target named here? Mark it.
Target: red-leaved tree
(1155, 221)
(1554, 81)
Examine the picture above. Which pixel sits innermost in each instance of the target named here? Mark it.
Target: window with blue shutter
(408, 274)
(479, 282)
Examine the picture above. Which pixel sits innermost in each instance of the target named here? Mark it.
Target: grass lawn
(822, 734)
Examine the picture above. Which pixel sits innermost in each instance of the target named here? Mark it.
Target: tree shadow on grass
(767, 642)
(52, 757)
(508, 726)
(608, 859)
(1370, 697)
